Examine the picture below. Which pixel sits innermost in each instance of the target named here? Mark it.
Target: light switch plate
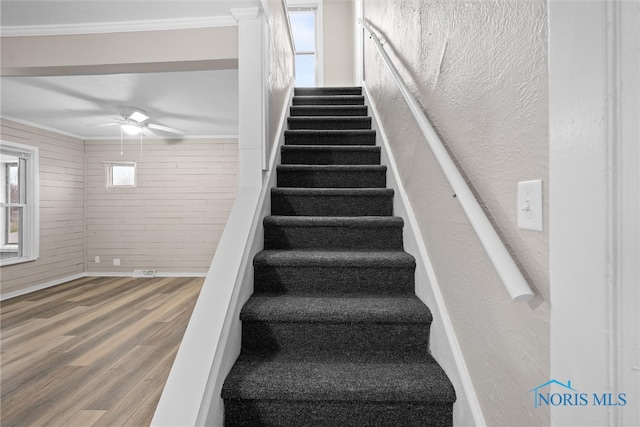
(530, 205)
(116, 261)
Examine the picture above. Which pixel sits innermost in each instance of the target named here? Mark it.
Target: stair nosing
(336, 309)
(362, 221)
(379, 390)
(334, 258)
(330, 167)
(312, 191)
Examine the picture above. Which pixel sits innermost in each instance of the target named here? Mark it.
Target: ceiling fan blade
(147, 132)
(166, 129)
(108, 124)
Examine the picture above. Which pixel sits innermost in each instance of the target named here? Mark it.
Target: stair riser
(328, 100)
(332, 179)
(306, 138)
(333, 123)
(332, 238)
(326, 91)
(336, 413)
(320, 337)
(337, 110)
(330, 157)
(334, 280)
(331, 205)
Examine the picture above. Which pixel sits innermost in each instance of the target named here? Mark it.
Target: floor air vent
(144, 273)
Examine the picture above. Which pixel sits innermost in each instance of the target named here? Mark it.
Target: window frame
(29, 203)
(317, 7)
(108, 174)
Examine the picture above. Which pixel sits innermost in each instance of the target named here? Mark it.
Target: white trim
(130, 274)
(43, 127)
(251, 120)
(41, 286)
(593, 168)
(66, 279)
(444, 343)
(118, 27)
(104, 138)
(192, 392)
(31, 209)
(181, 137)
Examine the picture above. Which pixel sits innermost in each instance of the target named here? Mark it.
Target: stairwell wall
(479, 69)
(338, 31)
(281, 68)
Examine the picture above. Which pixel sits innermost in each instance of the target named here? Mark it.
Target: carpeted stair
(334, 334)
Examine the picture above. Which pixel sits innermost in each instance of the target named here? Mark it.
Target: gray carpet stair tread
(334, 132)
(336, 309)
(319, 192)
(313, 91)
(334, 221)
(337, 379)
(328, 100)
(336, 168)
(334, 258)
(339, 148)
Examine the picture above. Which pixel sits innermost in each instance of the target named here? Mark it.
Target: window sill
(17, 260)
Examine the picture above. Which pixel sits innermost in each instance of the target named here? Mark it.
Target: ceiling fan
(135, 121)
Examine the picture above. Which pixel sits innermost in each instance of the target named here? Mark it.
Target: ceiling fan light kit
(131, 129)
(136, 122)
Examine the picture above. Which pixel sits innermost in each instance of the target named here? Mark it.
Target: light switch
(530, 205)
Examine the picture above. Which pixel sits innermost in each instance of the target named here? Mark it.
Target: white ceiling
(202, 103)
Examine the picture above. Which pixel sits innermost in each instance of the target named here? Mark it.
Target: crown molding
(41, 127)
(245, 13)
(119, 27)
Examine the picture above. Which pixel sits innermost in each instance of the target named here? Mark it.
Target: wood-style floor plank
(95, 351)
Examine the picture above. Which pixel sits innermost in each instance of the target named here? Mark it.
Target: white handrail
(509, 273)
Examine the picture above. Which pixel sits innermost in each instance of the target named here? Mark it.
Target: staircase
(334, 334)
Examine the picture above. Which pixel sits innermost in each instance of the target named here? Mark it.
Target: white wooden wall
(172, 221)
(62, 243)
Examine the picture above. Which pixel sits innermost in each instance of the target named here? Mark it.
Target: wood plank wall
(62, 244)
(172, 221)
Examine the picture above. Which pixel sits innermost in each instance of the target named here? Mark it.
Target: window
(304, 18)
(19, 199)
(120, 174)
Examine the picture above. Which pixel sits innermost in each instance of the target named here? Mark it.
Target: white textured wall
(61, 208)
(172, 221)
(281, 66)
(479, 69)
(339, 42)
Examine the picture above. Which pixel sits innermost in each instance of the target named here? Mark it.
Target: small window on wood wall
(120, 174)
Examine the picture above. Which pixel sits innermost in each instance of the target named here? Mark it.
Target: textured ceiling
(202, 103)
(198, 102)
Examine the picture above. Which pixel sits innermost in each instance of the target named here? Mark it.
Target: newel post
(251, 66)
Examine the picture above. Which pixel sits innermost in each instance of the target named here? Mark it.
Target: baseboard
(62, 280)
(444, 343)
(130, 274)
(41, 286)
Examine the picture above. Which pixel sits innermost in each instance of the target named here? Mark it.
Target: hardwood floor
(91, 352)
